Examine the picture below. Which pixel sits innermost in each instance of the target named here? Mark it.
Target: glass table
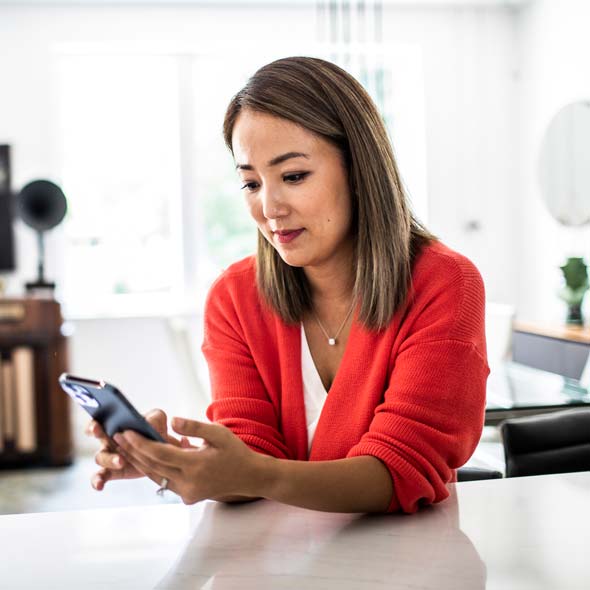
(518, 390)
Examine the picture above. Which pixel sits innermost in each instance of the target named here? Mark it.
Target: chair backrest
(498, 326)
(477, 473)
(558, 442)
(585, 376)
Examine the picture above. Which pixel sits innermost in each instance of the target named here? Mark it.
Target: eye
(293, 178)
(290, 178)
(248, 186)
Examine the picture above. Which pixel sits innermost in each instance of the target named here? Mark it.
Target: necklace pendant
(332, 341)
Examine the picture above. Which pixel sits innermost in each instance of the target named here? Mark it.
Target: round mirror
(564, 165)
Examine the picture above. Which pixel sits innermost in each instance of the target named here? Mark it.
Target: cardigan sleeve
(239, 399)
(432, 413)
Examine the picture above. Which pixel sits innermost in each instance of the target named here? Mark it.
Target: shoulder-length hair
(326, 100)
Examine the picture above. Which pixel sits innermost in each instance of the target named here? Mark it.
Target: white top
(518, 533)
(314, 392)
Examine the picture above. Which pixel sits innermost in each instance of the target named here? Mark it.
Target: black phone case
(108, 406)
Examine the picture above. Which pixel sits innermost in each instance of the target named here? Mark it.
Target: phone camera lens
(82, 396)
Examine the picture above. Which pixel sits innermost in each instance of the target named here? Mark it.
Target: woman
(347, 358)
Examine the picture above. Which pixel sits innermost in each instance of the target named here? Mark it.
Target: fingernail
(118, 462)
(118, 438)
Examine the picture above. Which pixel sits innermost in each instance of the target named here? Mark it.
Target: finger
(150, 450)
(88, 431)
(171, 485)
(99, 433)
(212, 433)
(157, 476)
(150, 456)
(130, 462)
(172, 440)
(109, 460)
(112, 449)
(100, 478)
(123, 454)
(93, 428)
(158, 419)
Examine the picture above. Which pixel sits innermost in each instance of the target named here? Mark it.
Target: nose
(273, 205)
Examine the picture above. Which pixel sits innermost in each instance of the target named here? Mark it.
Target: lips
(288, 235)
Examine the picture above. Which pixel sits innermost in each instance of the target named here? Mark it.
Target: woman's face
(296, 188)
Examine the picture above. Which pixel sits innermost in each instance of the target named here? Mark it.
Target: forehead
(258, 137)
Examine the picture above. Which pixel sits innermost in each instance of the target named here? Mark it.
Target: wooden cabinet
(33, 327)
(559, 349)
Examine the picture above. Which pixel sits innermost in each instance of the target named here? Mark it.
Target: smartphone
(108, 406)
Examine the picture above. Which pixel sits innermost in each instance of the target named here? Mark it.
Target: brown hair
(326, 100)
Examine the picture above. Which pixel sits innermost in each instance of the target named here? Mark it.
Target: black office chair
(477, 473)
(558, 442)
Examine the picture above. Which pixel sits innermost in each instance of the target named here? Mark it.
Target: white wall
(470, 63)
(555, 50)
(472, 86)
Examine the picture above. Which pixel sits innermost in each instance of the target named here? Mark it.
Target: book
(24, 388)
(8, 403)
(1, 408)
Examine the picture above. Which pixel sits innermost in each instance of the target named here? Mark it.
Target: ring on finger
(163, 487)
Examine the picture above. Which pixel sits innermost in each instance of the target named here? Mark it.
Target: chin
(294, 259)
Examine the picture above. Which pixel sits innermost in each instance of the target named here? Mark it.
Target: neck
(332, 284)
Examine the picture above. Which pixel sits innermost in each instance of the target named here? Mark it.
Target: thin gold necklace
(332, 340)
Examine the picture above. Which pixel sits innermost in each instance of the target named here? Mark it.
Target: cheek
(254, 208)
(336, 219)
(344, 217)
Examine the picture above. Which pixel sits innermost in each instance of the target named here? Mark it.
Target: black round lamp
(42, 205)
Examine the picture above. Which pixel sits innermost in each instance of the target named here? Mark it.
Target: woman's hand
(112, 460)
(222, 467)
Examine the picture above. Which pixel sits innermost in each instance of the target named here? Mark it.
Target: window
(119, 132)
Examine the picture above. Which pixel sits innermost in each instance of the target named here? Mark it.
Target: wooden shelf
(561, 332)
(36, 324)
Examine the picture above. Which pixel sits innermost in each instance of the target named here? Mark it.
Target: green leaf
(575, 273)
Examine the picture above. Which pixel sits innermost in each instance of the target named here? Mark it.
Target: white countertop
(512, 534)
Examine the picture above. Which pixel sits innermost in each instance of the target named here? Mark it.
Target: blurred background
(121, 104)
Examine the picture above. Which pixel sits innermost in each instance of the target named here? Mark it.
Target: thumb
(210, 432)
(157, 418)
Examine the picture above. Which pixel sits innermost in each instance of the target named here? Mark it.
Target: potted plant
(575, 273)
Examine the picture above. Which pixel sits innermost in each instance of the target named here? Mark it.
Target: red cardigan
(413, 395)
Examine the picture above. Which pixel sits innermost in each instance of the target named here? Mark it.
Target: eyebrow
(275, 161)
